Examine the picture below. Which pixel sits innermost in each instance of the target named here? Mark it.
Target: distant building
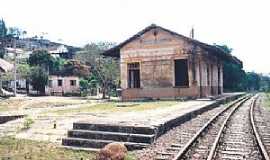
(28, 45)
(61, 51)
(5, 66)
(62, 85)
(159, 63)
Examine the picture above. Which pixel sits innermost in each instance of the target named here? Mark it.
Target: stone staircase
(86, 135)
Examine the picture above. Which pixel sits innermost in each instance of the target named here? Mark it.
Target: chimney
(192, 33)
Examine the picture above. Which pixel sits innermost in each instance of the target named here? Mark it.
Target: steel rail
(256, 133)
(192, 141)
(224, 124)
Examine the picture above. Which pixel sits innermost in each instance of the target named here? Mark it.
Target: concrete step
(94, 143)
(114, 128)
(115, 136)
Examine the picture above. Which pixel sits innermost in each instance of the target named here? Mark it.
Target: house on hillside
(61, 51)
(63, 85)
(159, 63)
(5, 66)
(58, 85)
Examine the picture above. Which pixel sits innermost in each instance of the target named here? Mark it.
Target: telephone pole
(15, 68)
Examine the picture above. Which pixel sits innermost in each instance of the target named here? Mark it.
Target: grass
(267, 100)
(108, 107)
(41, 102)
(17, 149)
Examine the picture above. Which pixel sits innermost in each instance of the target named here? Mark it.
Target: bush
(27, 123)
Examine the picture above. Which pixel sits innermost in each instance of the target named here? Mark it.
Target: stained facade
(158, 63)
(61, 85)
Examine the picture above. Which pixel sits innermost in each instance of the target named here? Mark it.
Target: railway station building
(161, 64)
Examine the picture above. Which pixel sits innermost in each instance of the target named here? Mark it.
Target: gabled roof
(5, 66)
(211, 49)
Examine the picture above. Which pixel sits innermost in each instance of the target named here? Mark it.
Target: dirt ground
(49, 118)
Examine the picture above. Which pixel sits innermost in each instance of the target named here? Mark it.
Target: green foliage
(23, 71)
(42, 58)
(57, 64)
(14, 31)
(12, 148)
(27, 123)
(2, 52)
(253, 81)
(91, 52)
(235, 78)
(265, 83)
(3, 29)
(39, 79)
(84, 85)
(75, 68)
(225, 48)
(104, 70)
(3, 33)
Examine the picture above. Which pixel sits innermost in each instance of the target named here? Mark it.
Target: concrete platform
(6, 118)
(137, 129)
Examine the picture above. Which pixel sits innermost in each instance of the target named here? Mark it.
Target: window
(134, 75)
(60, 82)
(181, 72)
(50, 83)
(73, 82)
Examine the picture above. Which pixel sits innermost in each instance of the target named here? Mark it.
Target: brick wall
(156, 54)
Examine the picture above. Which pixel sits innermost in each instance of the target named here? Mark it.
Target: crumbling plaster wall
(156, 51)
(156, 56)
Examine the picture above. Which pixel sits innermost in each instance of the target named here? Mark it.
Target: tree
(253, 81)
(3, 28)
(43, 59)
(107, 74)
(234, 77)
(74, 67)
(39, 79)
(91, 52)
(104, 70)
(265, 83)
(41, 63)
(3, 34)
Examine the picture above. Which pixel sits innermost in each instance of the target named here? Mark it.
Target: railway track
(169, 143)
(237, 138)
(189, 130)
(261, 125)
(240, 131)
(201, 144)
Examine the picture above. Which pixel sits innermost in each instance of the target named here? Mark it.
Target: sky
(243, 25)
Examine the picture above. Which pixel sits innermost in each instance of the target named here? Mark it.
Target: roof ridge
(115, 51)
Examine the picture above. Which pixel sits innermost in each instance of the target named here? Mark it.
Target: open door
(181, 73)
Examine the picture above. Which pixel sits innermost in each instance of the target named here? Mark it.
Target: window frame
(73, 83)
(134, 68)
(60, 80)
